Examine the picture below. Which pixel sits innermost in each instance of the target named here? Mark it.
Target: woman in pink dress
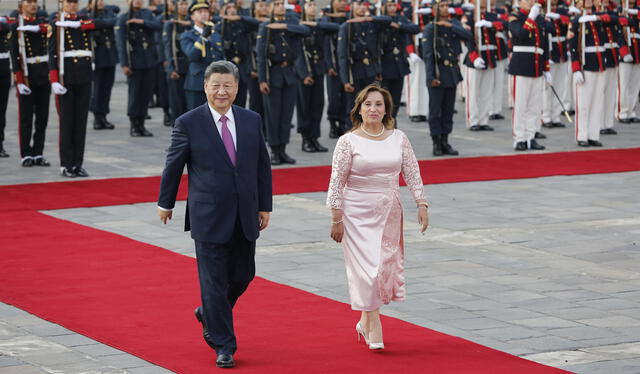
(365, 206)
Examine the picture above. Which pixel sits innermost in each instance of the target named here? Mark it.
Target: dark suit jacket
(219, 193)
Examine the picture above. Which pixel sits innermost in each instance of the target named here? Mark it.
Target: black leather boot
(98, 122)
(319, 147)
(275, 155)
(107, 125)
(142, 129)
(437, 145)
(447, 149)
(134, 130)
(334, 129)
(307, 145)
(167, 118)
(284, 157)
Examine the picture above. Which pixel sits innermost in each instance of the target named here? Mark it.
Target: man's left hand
(263, 220)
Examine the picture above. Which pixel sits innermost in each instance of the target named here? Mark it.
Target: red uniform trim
(498, 25)
(604, 18)
(87, 25)
(44, 28)
(575, 66)
(411, 49)
(473, 55)
(19, 75)
(624, 50)
(623, 21)
(565, 20)
(53, 76)
(529, 25)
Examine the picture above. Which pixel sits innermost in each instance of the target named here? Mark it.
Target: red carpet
(139, 298)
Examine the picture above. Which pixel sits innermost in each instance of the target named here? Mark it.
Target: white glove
(547, 77)
(23, 89)
(426, 2)
(3, 19)
(70, 24)
(58, 89)
(534, 12)
(424, 11)
(479, 63)
(289, 6)
(452, 10)
(632, 11)
(573, 10)
(627, 58)
(414, 58)
(484, 23)
(578, 78)
(468, 6)
(551, 62)
(552, 15)
(29, 28)
(589, 18)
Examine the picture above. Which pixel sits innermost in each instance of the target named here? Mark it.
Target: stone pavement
(544, 268)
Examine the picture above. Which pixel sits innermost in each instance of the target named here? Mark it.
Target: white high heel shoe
(376, 346)
(360, 332)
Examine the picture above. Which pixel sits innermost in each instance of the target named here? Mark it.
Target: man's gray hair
(222, 67)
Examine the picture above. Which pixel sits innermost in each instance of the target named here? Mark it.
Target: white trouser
(551, 109)
(480, 83)
(568, 100)
(497, 92)
(510, 82)
(589, 106)
(527, 107)
(610, 102)
(417, 93)
(628, 90)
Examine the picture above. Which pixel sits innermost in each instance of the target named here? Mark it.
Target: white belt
(4, 55)
(557, 39)
(611, 45)
(488, 47)
(77, 53)
(594, 49)
(526, 49)
(37, 59)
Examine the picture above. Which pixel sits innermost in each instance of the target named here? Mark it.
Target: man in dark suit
(229, 198)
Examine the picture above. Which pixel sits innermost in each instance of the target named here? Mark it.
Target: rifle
(22, 51)
(349, 57)
(60, 44)
(435, 38)
(93, 14)
(174, 44)
(478, 29)
(128, 42)
(305, 53)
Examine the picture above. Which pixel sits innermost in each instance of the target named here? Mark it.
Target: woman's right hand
(337, 232)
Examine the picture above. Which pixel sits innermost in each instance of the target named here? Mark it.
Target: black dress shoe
(108, 125)
(80, 172)
(496, 116)
(635, 120)
(307, 146)
(319, 147)
(225, 361)
(486, 128)
(559, 124)
(414, 119)
(548, 125)
(521, 146)
(67, 172)
(167, 119)
(205, 332)
(533, 144)
(27, 162)
(275, 155)
(582, 143)
(608, 132)
(625, 120)
(595, 143)
(539, 135)
(41, 161)
(284, 157)
(3, 153)
(475, 128)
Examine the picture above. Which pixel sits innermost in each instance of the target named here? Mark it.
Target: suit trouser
(350, 97)
(29, 105)
(335, 92)
(73, 109)
(177, 97)
(395, 88)
(610, 102)
(5, 85)
(103, 79)
(417, 94)
(589, 106)
(140, 92)
(527, 107)
(478, 103)
(280, 103)
(224, 271)
(551, 109)
(629, 88)
(497, 92)
(441, 104)
(241, 96)
(310, 107)
(194, 99)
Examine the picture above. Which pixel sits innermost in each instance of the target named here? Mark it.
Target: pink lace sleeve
(340, 169)
(411, 170)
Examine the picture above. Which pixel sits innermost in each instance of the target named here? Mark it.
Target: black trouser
(279, 105)
(140, 92)
(5, 85)
(29, 105)
(73, 109)
(177, 98)
(161, 90)
(335, 91)
(224, 271)
(441, 104)
(310, 107)
(103, 79)
(350, 97)
(395, 89)
(256, 102)
(195, 99)
(241, 97)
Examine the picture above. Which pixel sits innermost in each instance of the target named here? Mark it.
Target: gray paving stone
(6, 361)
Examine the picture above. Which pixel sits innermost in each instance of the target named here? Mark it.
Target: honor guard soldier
(235, 31)
(260, 11)
(30, 62)
(443, 74)
(177, 62)
(417, 91)
(394, 41)
(336, 110)
(277, 47)
(558, 24)
(311, 65)
(70, 73)
(500, 20)
(359, 52)
(202, 46)
(160, 89)
(138, 59)
(630, 70)
(105, 59)
(529, 63)
(5, 76)
(587, 40)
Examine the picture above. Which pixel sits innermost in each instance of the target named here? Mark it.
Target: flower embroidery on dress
(340, 169)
